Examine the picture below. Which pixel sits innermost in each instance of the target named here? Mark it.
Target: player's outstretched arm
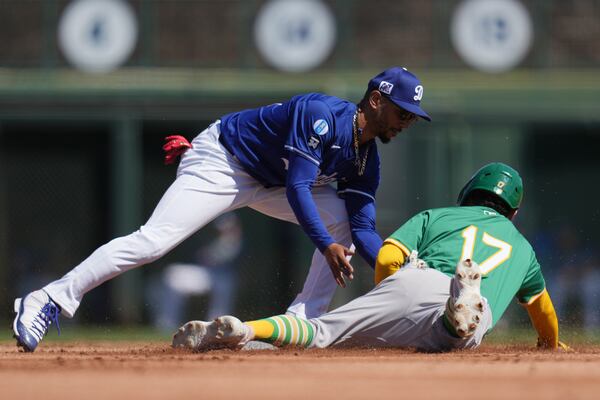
(301, 175)
(543, 317)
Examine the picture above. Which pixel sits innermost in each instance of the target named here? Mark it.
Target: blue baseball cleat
(35, 313)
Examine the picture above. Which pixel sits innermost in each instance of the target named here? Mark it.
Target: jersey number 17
(489, 264)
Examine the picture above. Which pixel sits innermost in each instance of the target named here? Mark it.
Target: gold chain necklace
(360, 163)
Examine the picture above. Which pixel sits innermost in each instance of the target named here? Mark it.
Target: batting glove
(175, 146)
(564, 347)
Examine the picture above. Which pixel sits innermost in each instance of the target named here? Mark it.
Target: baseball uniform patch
(320, 127)
(386, 87)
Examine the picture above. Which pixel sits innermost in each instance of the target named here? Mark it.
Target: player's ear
(375, 99)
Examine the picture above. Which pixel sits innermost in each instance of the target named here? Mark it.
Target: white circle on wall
(491, 35)
(97, 35)
(295, 35)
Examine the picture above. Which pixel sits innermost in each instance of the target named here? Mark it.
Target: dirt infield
(101, 370)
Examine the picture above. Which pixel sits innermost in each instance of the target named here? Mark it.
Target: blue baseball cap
(402, 87)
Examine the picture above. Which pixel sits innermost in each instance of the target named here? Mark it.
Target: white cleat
(35, 313)
(464, 308)
(224, 332)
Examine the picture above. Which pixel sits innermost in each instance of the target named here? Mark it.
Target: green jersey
(444, 236)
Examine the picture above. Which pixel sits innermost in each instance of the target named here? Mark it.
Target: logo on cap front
(386, 87)
(419, 93)
(320, 127)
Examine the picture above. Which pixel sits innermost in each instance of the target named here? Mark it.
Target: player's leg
(209, 183)
(397, 312)
(176, 217)
(404, 310)
(319, 286)
(282, 330)
(229, 332)
(466, 316)
(203, 190)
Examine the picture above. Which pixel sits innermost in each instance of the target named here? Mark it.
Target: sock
(283, 330)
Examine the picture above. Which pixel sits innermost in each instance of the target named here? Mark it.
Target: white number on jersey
(492, 262)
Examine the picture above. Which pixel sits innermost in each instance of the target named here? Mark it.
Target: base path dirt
(117, 370)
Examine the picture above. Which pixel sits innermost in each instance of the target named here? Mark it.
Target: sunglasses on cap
(403, 114)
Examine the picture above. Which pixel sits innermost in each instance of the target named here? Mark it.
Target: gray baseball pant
(404, 310)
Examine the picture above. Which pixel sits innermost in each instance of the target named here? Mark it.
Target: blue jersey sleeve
(361, 213)
(359, 194)
(310, 128)
(300, 177)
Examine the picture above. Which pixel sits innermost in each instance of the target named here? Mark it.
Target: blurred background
(89, 88)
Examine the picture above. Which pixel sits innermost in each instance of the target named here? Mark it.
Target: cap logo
(320, 127)
(386, 87)
(419, 93)
(499, 187)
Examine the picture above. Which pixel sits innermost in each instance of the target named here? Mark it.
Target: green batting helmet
(497, 178)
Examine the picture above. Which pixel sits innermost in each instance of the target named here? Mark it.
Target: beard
(383, 137)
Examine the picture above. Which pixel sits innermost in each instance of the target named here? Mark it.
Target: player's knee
(141, 246)
(153, 249)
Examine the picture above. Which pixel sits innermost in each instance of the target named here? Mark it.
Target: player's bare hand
(337, 257)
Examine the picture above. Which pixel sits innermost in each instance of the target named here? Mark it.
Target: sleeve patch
(321, 127)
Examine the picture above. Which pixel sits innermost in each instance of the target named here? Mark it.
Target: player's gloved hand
(337, 258)
(175, 146)
(562, 346)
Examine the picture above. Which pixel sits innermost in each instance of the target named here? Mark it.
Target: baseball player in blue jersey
(277, 159)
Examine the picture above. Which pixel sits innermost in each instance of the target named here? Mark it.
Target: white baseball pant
(209, 182)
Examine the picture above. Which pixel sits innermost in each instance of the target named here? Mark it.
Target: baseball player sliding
(473, 261)
(277, 159)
